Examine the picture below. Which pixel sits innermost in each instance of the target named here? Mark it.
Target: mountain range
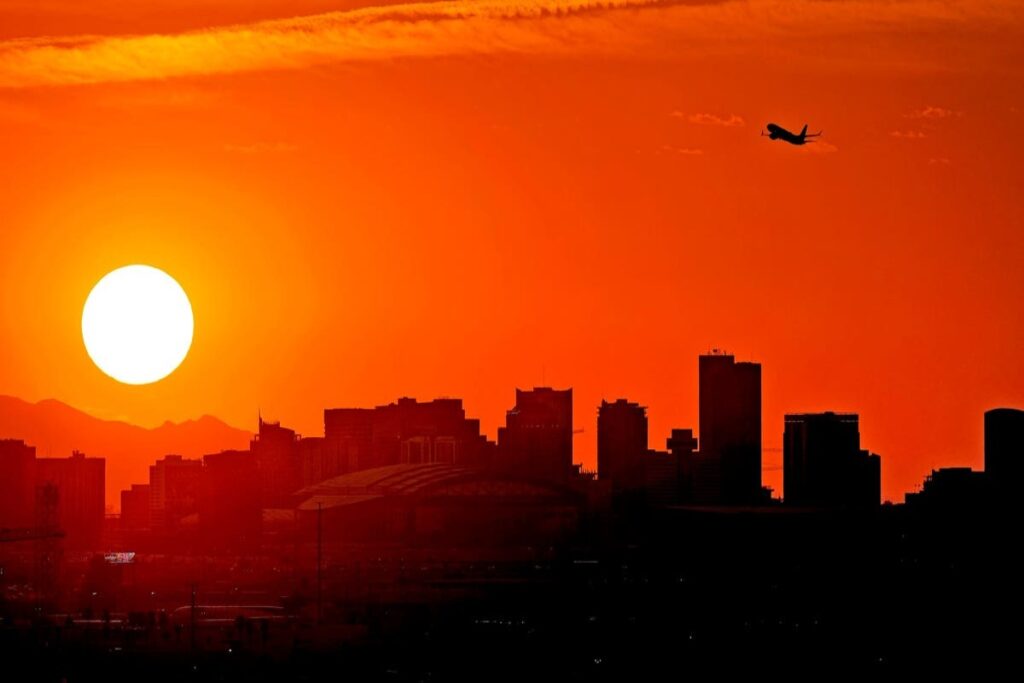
(56, 429)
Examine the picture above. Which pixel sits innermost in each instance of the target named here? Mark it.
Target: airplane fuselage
(777, 132)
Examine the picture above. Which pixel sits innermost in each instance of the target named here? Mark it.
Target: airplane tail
(803, 133)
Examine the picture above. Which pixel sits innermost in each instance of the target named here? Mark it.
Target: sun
(137, 324)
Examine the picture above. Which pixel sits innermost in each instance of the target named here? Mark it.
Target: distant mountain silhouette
(55, 429)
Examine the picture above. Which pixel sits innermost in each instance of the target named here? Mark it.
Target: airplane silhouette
(776, 132)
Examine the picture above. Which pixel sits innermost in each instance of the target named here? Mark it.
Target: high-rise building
(136, 515)
(951, 490)
(683, 447)
(437, 431)
(229, 499)
(80, 483)
(621, 444)
(173, 490)
(17, 484)
(406, 431)
(823, 464)
(348, 433)
(536, 441)
(660, 477)
(276, 452)
(1004, 448)
(730, 431)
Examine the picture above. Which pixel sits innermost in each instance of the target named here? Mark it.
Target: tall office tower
(1004, 449)
(173, 491)
(81, 487)
(276, 450)
(621, 444)
(536, 441)
(730, 431)
(17, 484)
(823, 464)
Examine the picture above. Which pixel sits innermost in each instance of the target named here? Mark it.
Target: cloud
(939, 161)
(715, 120)
(908, 134)
(381, 32)
(461, 27)
(684, 151)
(930, 112)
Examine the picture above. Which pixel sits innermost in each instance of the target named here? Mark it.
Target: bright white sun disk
(137, 324)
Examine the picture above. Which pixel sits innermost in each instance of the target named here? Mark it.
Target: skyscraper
(406, 431)
(173, 490)
(536, 441)
(730, 431)
(683, 447)
(17, 484)
(276, 450)
(136, 514)
(823, 464)
(229, 499)
(621, 444)
(1004, 448)
(80, 483)
(348, 434)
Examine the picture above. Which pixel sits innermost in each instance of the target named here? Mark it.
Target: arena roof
(417, 480)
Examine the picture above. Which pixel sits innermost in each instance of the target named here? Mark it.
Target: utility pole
(319, 561)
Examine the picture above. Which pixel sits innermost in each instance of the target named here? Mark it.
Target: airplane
(776, 132)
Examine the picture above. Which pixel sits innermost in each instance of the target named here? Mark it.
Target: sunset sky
(366, 200)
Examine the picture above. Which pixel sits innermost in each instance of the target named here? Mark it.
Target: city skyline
(347, 421)
(616, 209)
(442, 340)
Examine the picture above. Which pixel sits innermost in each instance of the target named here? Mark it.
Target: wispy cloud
(684, 151)
(715, 120)
(931, 112)
(908, 134)
(462, 27)
(418, 29)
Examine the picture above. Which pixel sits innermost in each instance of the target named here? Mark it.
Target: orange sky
(464, 197)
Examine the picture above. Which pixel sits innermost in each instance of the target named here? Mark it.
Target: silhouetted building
(80, 483)
(413, 433)
(683, 447)
(1004, 449)
(348, 432)
(957, 490)
(229, 499)
(173, 490)
(621, 444)
(404, 432)
(319, 459)
(823, 464)
(536, 441)
(728, 469)
(276, 450)
(438, 504)
(17, 484)
(661, 477)
(136, 515)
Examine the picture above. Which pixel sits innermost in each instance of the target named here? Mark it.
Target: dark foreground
(663, 596)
